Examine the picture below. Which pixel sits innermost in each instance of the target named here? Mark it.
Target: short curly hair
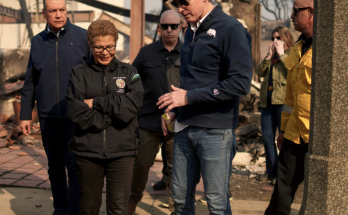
(101, 28)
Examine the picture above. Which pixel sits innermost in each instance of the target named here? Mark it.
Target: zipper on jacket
(104, 131)
(57, 74)
(104, 144)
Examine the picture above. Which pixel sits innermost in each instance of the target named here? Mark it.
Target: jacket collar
(305, 40)
(217, 10)
(177, 47)
(99, 68)
(300, 43)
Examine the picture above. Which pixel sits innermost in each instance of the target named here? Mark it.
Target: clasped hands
(276, 46)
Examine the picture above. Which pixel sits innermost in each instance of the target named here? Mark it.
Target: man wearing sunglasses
(159, 67)
(216, 69)
(293, 138)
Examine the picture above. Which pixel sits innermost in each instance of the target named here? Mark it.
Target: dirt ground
(244, 188)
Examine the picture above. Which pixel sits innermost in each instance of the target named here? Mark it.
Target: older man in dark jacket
(54, 51)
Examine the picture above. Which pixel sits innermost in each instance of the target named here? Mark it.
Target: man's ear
(158, 30)
(44, 13)
(311, 13)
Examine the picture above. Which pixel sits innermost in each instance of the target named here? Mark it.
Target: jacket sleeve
(288, 104)
(28, 91)
(283, 58)
(137, 63)
(263, 67)
(236, 67)
(123, 107)
(78, 112)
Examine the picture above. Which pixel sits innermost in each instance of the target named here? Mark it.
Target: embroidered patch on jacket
(135, 76)
(211, 32)
(216, 92)
(120, 83)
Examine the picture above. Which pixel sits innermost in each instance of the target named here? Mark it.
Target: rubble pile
(250, 156)
(249, 136)
(12, 136)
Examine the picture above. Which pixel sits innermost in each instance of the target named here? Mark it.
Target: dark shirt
(307, 43)
(270, 77)
(158, 69)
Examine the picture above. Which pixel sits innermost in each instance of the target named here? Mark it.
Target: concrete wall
(13, 62)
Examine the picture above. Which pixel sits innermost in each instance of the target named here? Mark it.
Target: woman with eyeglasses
(272, 94)
(103, 99)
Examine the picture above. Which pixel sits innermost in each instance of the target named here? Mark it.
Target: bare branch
(265, 5)
(265, 18)
(278, 9)
(284, 6)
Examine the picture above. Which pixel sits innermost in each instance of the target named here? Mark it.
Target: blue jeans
(55, 136)
(208, 152)
(270, 121)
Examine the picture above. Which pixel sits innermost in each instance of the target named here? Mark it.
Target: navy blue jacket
(49, 66)
(216, 69)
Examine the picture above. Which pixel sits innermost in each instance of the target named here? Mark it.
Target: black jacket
(158, 69)
(50, 61)
(110, 128)
(216, 69)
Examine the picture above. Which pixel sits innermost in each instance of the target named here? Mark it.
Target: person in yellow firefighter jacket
(295, 115)
(293, 138)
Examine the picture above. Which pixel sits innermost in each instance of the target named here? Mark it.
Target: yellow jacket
(296, 109)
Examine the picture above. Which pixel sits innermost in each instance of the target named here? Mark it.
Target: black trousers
(289, 176)
(56, 134)
(118, 173)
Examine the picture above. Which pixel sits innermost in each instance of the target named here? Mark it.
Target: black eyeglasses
(296, 10)
(111, 48)
(182, 2)
(274, 38)
(172, 26)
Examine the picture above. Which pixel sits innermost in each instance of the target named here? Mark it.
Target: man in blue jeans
(216, 69)
(53, 52)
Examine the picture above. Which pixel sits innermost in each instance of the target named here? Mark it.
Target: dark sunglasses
(296, 10)
(278, 38)
(172, 26)
(182, 2)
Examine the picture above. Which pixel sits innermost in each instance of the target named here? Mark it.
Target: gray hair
(44, 4)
